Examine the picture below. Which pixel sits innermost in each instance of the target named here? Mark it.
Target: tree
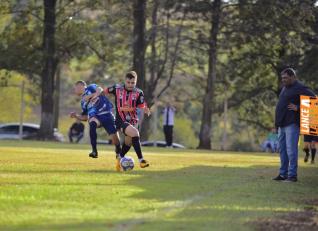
(205, 130)
(48, 72)
(161, 36)
(139, 40)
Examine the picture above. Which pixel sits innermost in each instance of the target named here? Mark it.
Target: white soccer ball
(127, 163)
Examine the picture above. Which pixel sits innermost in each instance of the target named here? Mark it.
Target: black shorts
(122, 125)
(308, 138)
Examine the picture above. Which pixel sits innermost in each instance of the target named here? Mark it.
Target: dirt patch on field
(306, 220)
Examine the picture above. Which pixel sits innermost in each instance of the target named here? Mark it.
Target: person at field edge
(287, 120)
(76, 131)
(168, 123)
(271, 142)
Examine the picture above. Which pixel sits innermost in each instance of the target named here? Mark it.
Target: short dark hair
(131, 75)
(289, 71)
(80, 82)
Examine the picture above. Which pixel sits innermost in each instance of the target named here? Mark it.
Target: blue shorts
(107, 121)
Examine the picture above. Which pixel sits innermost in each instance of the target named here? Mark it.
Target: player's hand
(73, 114)
(292, 107)
(147, 111)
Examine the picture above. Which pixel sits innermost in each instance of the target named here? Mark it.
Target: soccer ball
(127, 163)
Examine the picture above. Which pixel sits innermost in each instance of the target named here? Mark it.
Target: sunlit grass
(53, 186)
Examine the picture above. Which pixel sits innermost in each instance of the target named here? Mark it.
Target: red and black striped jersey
(127, 102)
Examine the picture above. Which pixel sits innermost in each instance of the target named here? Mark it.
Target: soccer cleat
(312, 161)
(306, 158)
(144, 164)
(279, 178)
(117, 166)
(93, 154)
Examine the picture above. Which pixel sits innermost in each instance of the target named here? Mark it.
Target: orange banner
(308, 115)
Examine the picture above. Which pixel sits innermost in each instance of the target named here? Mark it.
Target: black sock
(137, 146)
(117, 149)
(313, 153)
(93, 135)
(306, 150)
(125, 148)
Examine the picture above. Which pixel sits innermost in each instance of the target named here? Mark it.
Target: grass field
(51, 186)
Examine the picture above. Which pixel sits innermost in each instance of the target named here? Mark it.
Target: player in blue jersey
(98, 112)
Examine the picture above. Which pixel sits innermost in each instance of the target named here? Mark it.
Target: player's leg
(313, 151)
(126, 145)
(108, 123)
(306, 147)
(116, 142)
(118, 151)
(125, 148)
(133, 132)
(93, 124)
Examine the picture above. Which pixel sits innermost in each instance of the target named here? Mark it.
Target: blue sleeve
(90, 89)
(84, 108)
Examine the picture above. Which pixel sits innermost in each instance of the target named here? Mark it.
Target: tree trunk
(48, 72)
(56, 109)
(205, 130)
(139, 48)
(139, 43)
(225, 118)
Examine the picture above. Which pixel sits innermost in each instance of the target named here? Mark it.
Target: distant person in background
(76, 131)
(168, 123)
(287, 120)
(310, 146)
(271, 142)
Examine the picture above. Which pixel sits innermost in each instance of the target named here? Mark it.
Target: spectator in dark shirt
(287, 120)
(76, 131)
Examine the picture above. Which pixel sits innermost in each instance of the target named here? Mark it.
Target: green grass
(52, 186)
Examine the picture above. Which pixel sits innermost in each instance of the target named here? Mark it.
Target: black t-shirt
(77, 128)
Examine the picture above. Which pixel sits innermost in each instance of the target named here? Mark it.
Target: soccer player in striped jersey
(98, 112)
(127, 99)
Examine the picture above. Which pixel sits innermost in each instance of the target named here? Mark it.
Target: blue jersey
(94, 107)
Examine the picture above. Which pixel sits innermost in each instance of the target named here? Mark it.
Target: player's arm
(82, 117)
(94, 91)
(147, 110)
(141, 103)
(109, 90)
